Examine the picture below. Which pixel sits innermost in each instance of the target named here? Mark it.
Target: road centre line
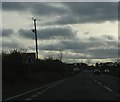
(99, 83)
(48, 85)
(107, 88)
(39, 93)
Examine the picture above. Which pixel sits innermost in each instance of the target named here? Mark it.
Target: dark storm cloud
(0, 6)
(80, 46)
(84, 46)
(7, 32)
(69, 12)
(95, 49)
(99, 10)
(104, 53)
(50, 33)
(88, 13)
(34, 8)
(0, 32)
(74, 45)
(67, 45)
(26, 33)
(53, 47)
(14, 6)
(90, 49)
(102, 38)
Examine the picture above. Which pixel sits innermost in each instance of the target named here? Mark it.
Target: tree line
(15, 70)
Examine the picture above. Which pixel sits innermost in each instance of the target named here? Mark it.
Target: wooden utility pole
(35, 31)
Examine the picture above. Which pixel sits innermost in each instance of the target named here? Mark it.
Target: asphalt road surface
(79, 87)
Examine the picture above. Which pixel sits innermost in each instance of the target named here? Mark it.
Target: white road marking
(101, 84)
(34, 95)
(107, 88)
(52, 85)
(44, 90)
(28, 99)
(95, 80)
(39, 93)
(48, 85)
(25, 93)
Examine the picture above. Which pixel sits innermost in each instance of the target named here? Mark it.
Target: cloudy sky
(84, 31)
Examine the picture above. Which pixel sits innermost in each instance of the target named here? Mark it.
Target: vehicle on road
(76, 70)
(107, 71)
(97, 72)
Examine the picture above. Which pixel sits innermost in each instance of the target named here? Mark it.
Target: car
(97, 72)
(107, 71)
(76, 70)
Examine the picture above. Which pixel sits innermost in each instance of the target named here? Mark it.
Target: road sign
(29, 60)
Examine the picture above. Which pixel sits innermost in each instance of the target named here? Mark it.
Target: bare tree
(60, 55)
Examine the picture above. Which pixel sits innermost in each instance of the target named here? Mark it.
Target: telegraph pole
(35, 31)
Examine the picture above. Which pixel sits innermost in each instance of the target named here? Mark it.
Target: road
(78, 87)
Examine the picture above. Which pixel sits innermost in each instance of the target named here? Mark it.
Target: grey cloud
(94, 50)
(14, 6)
(7, 32)
(109, 37)
(60, 32)
(87, 32)
(10, 45)
(48, 9)
(0, 32)
(53, 47)
(103, 53)
(89, 13)
(36, 8)
(96, 53)
(50, 33)
(104, 41)
(80, 46)
(26, 33)
(74, 45)
(93, 39)
(89, 49)
(67, 45)
(69, 12)
(75, 56)
(0, 6)
(102, 38)
(94, 8)
(64, 45)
